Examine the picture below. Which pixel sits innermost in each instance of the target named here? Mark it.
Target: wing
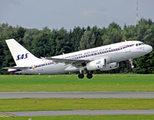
(74, 62)
(18, 68)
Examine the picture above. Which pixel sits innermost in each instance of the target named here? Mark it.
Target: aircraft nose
(149, 48)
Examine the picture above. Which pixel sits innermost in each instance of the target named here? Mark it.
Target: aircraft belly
(55, 69)
(50, 69)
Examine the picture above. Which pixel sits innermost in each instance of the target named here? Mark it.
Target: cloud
(98, 17)
(95, 14)
(15, 2)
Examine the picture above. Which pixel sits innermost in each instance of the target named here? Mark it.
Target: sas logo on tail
(22, 56)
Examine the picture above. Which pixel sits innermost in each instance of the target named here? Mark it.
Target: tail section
(21, 56)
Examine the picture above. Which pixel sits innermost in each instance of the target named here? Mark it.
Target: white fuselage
(115, 52)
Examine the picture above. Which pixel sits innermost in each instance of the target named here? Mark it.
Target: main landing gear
(89, 75)
(81, 75)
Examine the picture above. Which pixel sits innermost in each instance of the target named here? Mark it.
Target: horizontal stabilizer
(18, 68)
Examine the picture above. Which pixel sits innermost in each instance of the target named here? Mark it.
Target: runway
(81, 112)
(7, 95)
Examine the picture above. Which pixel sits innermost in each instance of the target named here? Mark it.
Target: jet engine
(96, 64)
(101, 64)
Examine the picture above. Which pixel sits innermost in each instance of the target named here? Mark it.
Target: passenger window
(136, 44)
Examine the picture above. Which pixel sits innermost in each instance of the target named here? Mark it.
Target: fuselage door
(127, 48)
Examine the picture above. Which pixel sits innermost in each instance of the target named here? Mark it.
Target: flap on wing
(19, 68)
(69, 61)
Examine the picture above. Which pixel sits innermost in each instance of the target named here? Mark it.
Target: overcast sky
(70, 13)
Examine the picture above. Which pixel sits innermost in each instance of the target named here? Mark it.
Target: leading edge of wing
(61, 60)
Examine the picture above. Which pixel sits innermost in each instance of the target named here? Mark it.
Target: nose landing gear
(131, 62)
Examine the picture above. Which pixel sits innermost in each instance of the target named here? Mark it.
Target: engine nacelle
(96, 64)
(110, 66)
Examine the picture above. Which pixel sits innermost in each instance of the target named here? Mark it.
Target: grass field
(74, 104)
(106, 82)
(88, 117)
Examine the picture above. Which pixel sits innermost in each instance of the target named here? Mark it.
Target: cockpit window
(138, 44)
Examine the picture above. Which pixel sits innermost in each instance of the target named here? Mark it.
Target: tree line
(47, 43)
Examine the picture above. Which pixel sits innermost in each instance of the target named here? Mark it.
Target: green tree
(145, 64)
(106, 40)
(63, 42)
(114, 32)
(41, 44)
(29, 36)
(129, 33)
(75, 37)
(87, 40)
(98, 35)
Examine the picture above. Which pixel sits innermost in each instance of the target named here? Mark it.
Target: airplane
(100, 58)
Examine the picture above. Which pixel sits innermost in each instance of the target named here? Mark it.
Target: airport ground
(84, 117)
(124, 82)
(105, 82)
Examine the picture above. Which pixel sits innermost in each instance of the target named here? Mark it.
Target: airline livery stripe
(102, 52)
(45, 64)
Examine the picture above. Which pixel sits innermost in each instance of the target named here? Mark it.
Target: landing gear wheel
(81, 76)
(89, 76)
